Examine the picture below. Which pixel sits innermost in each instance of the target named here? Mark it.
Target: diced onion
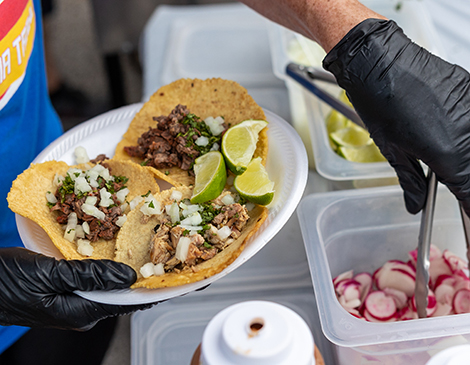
(84, 247)
(202, 141)
(121, 194)
(58, 179)
(91, 200)
(106, 175)
(190, 228)
(191, 209)
(121, 220)
(228, 199)
(215, 125)
(192, 220)
(81, 185)
(134, 202)
(69, 234)
(224, 232)
(81, 155)
(74, 173)
(176, 195)
(215, 147)
(105, 198)
(173, 211)
(147, 270)
(151, 206)
(93, 177)
(97, 168)
(182, 248)
(51, 198)
(79, 233)
(124, 207)
(86, 227)
(159, 269)
(249, 206)
(70, 231)
(93, 211)
(72, 220)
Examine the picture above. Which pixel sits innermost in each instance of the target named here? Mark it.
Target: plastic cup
(257, 332)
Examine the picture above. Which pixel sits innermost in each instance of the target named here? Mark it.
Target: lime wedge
(335, 121)
(239, 144)
(353, 136)
(369, 153)
(210, 177)
(254, 184)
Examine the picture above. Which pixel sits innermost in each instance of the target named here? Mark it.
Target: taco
(186, 242)
(164, 132)
(83, 207)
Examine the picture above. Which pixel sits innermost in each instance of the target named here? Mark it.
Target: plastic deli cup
(256, 332)
(456, 355)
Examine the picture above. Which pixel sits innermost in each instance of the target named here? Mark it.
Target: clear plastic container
(361, 230)
(308, 113)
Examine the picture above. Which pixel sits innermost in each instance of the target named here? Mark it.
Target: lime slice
(210, 177)
(254, 184)
(335, 121)
(353, 136)
(369, 153)
(239, 144)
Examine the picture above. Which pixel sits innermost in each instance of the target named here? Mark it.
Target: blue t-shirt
(28, 122)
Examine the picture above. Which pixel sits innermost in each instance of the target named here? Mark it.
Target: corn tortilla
(211, 97)
(133, 246)
(27, 198)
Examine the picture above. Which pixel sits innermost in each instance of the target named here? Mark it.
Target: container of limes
(345, 166)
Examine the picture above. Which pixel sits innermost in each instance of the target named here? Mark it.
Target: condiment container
(258, 333)
(360, 230)
(457, 355)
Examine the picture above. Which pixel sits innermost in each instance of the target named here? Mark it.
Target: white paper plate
(286, 164)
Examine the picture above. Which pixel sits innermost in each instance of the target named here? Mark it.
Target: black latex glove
(37, 291)
(415, 105)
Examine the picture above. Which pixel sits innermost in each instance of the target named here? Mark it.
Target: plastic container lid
(457, 355)
(257, 332)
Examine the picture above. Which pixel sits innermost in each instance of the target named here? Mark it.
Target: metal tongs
(424, 244)
(306, 76)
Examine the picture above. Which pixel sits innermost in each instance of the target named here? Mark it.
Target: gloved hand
(37, 291)
(415, 105)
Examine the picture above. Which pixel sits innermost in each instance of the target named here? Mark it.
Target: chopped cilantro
(198, 127)
(146, 194)
(207, 245)
(144, 163)
(185, 232)
(167, 172)
(208, 213)
(151, 205)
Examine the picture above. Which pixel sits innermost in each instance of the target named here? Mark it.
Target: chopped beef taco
(184, 120)
(182, 243)
(82, 208)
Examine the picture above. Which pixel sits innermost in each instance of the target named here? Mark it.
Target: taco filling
(90, 204)
(189, 234)
(178, 139)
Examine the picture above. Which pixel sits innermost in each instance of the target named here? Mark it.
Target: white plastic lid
(456, 355)
(257, 332)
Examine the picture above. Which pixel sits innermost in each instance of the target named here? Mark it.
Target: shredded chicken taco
(83, 207)
(184, 120)
(184, 242)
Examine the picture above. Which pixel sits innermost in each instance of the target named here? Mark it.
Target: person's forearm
(324, 21)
